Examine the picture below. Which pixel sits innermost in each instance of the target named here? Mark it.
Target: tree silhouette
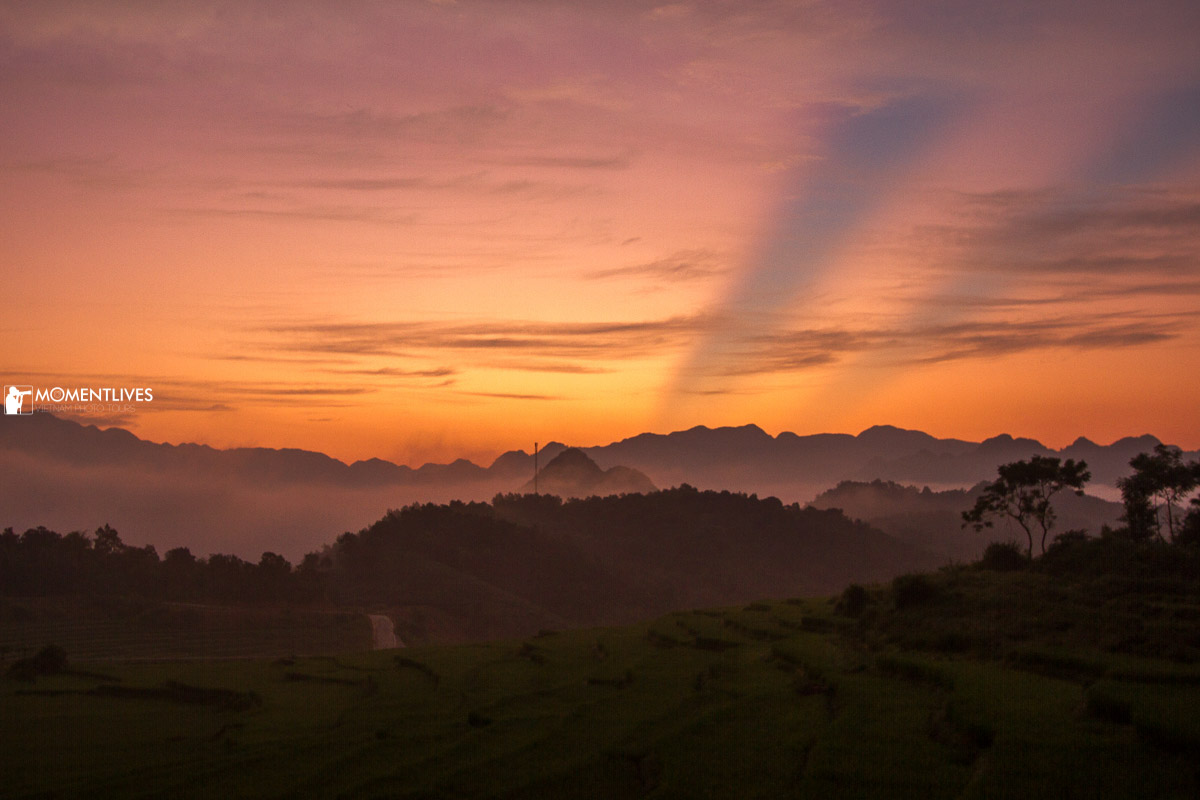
(1189, 532)
(1022, 493)
(1156, 489)
(108, 541)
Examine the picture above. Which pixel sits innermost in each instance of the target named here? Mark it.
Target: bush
(913, 590)
(50, 660)
(1004, 557)
(1071, 538)
(1189, 532)
(853, 601)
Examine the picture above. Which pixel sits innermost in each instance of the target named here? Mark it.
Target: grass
(780, 699)
(107, 629)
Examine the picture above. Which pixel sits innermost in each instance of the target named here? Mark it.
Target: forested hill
(521, 563)
(528, 561)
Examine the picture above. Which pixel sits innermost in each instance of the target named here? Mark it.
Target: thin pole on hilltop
(535, 467)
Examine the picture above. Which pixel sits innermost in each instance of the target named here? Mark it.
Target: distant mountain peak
(1004, 440)
(883, 429)
(1145, 440)
(749, 429)
(891, 436)
(571, 458)
(571, 466)
(572, 473)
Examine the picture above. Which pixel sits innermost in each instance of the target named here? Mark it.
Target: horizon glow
(431, 230)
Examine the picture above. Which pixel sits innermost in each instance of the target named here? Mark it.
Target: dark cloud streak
(550, 340)
(791, 351)
(1132, 231)
(511, 396)
(686, 265)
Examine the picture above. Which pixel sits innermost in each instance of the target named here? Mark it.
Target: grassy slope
(120, 629)
(992, 685)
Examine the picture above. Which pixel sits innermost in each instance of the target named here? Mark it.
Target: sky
(429, 230)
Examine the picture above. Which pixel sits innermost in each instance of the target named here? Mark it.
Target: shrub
(1071, 538)
(913, 590)
(853, 601)
(1003, 557)
(1189, 533)
(50, 660)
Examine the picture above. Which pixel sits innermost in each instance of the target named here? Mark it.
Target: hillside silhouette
(526, 562)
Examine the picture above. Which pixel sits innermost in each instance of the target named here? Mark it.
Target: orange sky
(428, 230)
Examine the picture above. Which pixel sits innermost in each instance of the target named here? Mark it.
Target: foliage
(41, 562)
(1022, 492)
(853, 601)
(1003, 556)
(530, 561)
(1071, 538)
(1154, 493)
(1189, 532)
(913, 590)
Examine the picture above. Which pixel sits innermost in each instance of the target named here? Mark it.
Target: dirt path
(383, 633)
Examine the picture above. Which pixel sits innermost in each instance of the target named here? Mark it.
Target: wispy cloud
(460, 123)
(1160, 288)
(1122, 233)
(354, 184)
(394, 372)
(685, 265)
(572, 162)
(357, 214)
(100, 172)
(797, 350)
(512, 396)
(544, 366)
(546, 340)
(277, 391)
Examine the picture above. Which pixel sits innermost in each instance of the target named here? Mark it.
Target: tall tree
(1022, 493)
(1155, 492)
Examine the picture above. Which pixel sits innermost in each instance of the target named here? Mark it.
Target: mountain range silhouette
(732, 458)
(67, 475)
